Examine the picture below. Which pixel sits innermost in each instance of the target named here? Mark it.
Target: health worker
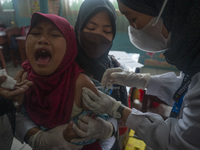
(171, 26)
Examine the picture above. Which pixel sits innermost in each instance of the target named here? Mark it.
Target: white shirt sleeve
(164, 86)
(108, 143)
(172, 134)
(23, 124)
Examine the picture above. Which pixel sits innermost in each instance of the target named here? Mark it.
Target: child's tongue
(43, 60)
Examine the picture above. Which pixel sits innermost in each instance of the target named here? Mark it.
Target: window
(6, 5)
(75, 4)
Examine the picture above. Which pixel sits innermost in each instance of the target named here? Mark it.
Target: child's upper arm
(83, 81)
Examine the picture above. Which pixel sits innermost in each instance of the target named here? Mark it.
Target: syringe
(107, 87)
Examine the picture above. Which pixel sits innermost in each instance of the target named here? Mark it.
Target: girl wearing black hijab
(173, 27)
(93, 48)
(95, 34)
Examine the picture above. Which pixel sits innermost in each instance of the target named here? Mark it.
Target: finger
(106, 75)
(117, 74)
(79, 140)
(90, 104)
(78, 131)
(24, 77)
(91, 94)
(25, 82)
(85, 118)
(83, 126)
(2, 79)
(70, 125)
(6, 94)
(16, 92)
(19, 75)
(19, 89)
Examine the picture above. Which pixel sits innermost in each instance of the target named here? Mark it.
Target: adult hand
(92, 128)
(2, 79)
(125, 78)
(69, 132)
(51, 140)
(100, 103)
(21, 86)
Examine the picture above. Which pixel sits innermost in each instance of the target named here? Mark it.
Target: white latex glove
(125, 78)
(92, 128)
(51, 140)
(100, 104)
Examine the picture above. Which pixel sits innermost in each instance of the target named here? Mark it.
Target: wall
(24, 21)
(8, 17)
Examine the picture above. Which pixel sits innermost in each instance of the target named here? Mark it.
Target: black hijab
(182, 19)
(93, 67)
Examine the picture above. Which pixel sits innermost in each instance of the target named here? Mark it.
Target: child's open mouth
(42, 56)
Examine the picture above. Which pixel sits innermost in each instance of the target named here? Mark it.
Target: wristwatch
(120, 111)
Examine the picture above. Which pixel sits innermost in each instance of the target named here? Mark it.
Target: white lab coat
(171, 134)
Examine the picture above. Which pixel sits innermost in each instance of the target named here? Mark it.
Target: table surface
(20, 38)
(2, 33)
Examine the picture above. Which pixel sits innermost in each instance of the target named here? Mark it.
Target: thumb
(91, 94)
(78, 131)
(106, 75)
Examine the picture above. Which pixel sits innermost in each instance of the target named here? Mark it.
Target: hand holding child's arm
(51, 139)
(92, 128)
(21, 85)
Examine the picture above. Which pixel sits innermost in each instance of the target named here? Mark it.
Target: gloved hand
(125, 78)
(100, 104)
(51, 140)
(92, 128)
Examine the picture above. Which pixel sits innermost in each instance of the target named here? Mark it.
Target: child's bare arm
(83, 81)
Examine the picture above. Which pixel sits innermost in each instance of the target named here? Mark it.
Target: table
(2, 37)
(21, 41)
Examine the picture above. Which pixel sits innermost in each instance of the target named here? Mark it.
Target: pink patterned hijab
(50, 100)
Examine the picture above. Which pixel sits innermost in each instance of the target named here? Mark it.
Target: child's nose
(43, 40)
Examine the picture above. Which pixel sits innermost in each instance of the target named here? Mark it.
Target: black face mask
(94, 45)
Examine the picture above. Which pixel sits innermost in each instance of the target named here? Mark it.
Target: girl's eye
(90, 28)
(55, 34)
(108, 32)
(35, 32)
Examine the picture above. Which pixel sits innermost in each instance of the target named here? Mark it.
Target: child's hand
(69, 133)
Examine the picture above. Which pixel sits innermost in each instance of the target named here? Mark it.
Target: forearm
(31, 132)
(160, 134)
